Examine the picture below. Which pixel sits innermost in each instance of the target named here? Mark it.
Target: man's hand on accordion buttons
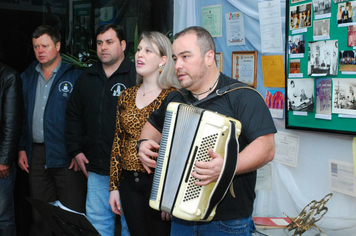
(208, 172)
(145, 153)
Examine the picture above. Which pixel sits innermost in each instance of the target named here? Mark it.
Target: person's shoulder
(227, 80)
(237, 88)
(72, 69)
(29, 71)
(7, 70)
(31, 68)
(169, 90)
(89, 71)
(8, 74)
(127, 66)
(129, 90)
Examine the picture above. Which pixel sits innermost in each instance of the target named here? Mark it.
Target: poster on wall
(212, 20)
(270, 26)
(235, 29)
(275, 102)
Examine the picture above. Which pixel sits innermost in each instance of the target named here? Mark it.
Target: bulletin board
(321, 65)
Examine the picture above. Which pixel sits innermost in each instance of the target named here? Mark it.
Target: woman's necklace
(212, 86)
(144, 93)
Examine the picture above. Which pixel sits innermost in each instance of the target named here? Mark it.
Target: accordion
(188, 133)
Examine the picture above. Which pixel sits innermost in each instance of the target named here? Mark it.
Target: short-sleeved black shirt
(250, 109)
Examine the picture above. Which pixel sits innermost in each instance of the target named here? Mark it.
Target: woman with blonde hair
(129, 181)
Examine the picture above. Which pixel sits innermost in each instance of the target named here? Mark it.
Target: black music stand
(62, 221)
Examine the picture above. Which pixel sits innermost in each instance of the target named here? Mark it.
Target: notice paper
(264, 177)
(212, 19)
(273, 71)
(270, 26)
(342, 177)
(235, 29)
(286, 148)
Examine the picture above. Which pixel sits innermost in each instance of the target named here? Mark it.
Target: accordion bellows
(188, 133)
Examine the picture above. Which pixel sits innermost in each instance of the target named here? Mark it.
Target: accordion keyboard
(159, 164)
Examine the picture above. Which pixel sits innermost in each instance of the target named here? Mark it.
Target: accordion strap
(219, 93)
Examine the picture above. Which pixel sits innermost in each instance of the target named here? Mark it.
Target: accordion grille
(193, 191)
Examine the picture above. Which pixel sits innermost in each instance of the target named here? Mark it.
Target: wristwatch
(139, 142)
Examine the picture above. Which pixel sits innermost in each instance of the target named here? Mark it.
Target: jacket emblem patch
(117, 88)
(65, 88)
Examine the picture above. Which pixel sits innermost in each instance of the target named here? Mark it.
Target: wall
(293, 188)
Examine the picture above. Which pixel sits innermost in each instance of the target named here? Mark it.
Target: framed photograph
(323, 58)
(219, 60)
(351, 38)
(344, 14)
(244, 67)
(300, 16)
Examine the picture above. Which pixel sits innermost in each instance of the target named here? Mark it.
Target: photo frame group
(244, 67)
(321, 65)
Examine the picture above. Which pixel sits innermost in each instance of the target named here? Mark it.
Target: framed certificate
(219, 60)
(244, 67)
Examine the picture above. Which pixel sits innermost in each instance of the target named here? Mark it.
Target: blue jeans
(240, 227)
(98, 210)
(7, 215)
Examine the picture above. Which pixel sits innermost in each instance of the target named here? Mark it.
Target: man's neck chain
(211, 88)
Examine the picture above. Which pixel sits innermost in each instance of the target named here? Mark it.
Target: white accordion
(188, 133)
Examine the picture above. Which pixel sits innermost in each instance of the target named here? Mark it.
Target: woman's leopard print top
(129, 123)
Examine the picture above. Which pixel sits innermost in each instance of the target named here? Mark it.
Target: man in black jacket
(10, 132)
(91, 117)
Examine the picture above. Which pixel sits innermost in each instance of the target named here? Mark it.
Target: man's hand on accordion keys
(145, 153)
(207, 172)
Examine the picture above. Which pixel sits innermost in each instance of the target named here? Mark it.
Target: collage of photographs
(321, 49)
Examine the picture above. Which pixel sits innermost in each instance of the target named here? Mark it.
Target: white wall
(293, 188)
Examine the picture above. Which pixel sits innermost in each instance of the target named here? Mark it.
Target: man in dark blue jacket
(47, 85)
(10, 132)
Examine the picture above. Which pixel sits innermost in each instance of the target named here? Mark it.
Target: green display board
(321, 65)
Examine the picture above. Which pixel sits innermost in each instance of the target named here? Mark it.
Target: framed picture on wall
(320, 66)
(219, 60)
(244, 67)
